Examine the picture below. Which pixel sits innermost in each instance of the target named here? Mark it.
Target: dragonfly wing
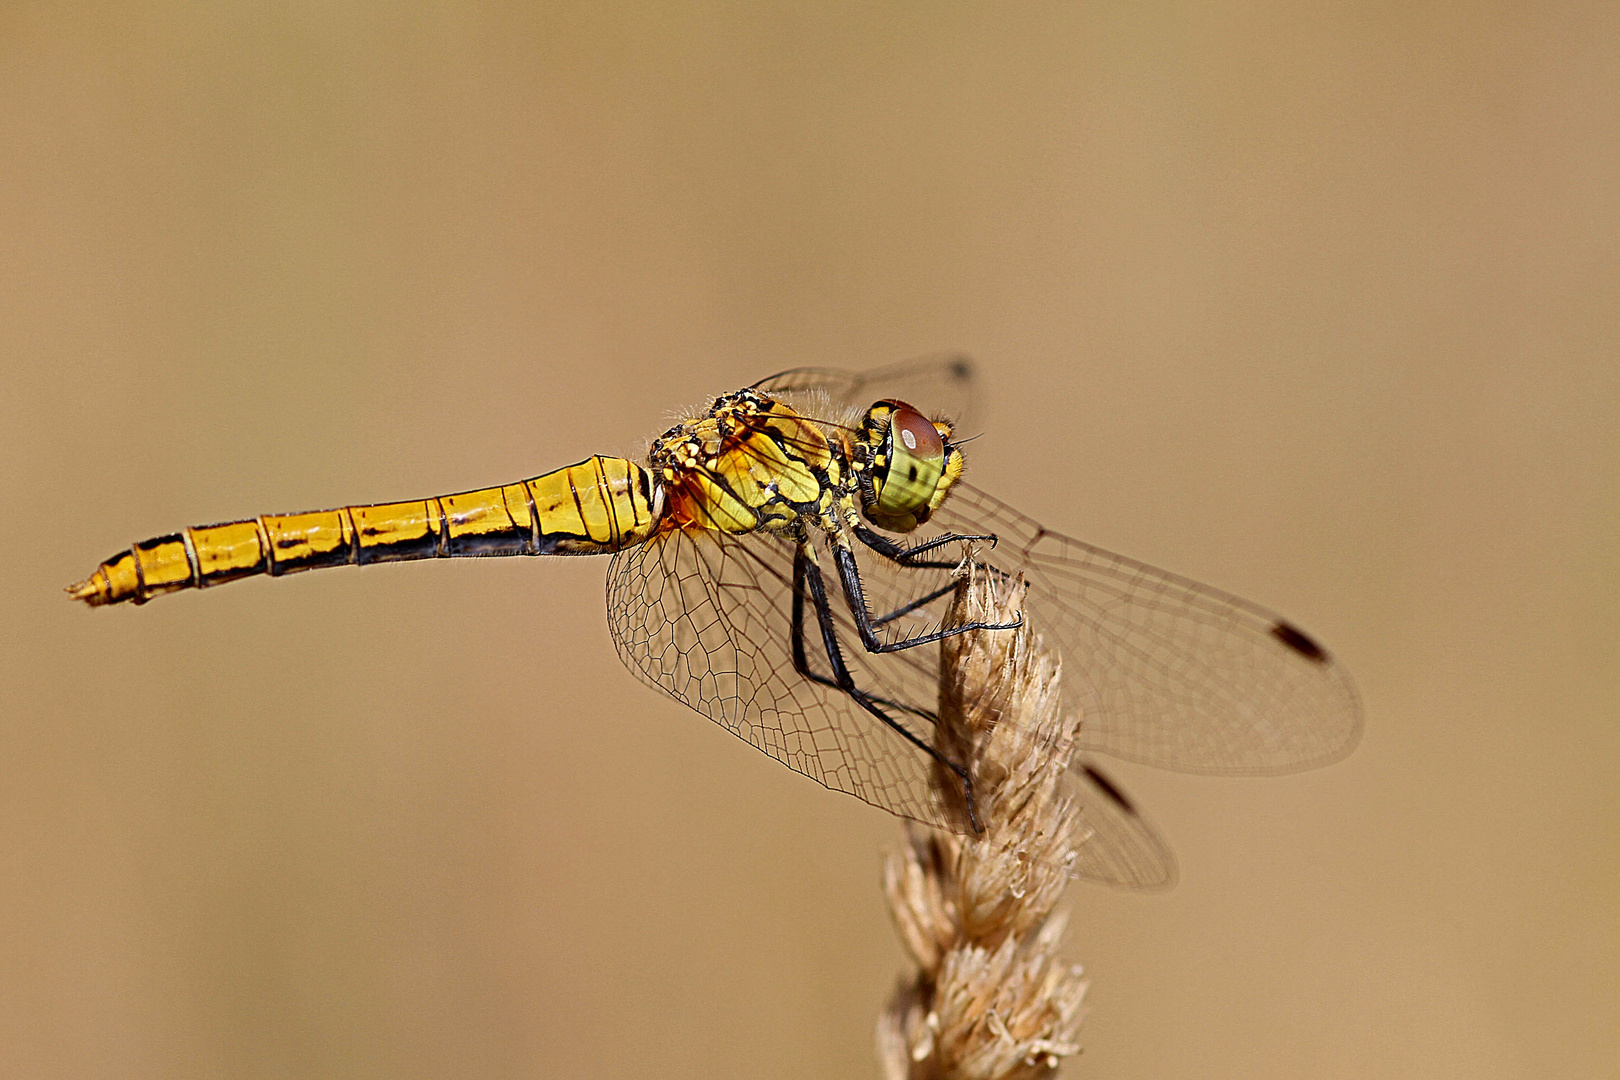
(1173, 673)
(706, 617)
(1115, 844)
(941, 384)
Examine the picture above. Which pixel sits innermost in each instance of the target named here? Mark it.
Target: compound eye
(916, 454)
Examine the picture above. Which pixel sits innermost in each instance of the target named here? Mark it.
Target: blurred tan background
(1318, 306)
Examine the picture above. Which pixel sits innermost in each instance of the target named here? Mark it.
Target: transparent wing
(1169, 672)
(941, 384)
(706, 617)
(1172, 673)
(1116, 845)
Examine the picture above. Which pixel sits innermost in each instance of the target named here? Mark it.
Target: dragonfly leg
(907, 556)
(850, 574)
(807, 580)
(920, 602)
(801, 662)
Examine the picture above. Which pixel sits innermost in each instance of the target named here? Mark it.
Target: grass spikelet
(990, 1000)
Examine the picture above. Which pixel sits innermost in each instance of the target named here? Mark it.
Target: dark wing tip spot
(1300, 642)
(961, 368)
(1108, 788)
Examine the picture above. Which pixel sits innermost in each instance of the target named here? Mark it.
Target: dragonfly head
(911, 463)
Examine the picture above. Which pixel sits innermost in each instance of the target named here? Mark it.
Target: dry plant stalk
(991, 999)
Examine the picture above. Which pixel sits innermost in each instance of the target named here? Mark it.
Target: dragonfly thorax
(749, 464)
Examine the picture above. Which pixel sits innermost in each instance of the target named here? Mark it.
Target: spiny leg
(906, 556)
(801, 661)
(850, 574)
(920, 602)
(807, 580)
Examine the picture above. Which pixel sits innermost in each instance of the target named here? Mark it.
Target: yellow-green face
(913, 465)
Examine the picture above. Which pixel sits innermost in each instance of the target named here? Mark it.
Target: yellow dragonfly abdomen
(596, 507)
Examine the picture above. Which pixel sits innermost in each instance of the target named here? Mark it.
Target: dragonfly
(782, 561)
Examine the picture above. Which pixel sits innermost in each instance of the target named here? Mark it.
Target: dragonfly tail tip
(89, 590)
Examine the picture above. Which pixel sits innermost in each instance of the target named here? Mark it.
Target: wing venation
(1171, 672)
